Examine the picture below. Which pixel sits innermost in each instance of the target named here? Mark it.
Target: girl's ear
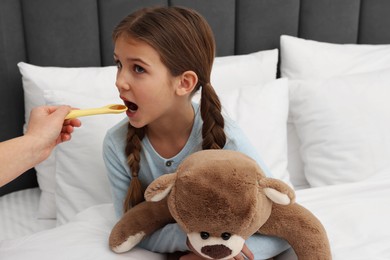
(188, 81)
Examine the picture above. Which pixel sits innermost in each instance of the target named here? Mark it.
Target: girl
(164, 56)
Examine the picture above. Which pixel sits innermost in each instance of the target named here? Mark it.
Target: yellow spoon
(109, 109)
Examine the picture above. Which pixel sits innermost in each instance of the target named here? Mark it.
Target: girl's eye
(138, 69)
(118, 64)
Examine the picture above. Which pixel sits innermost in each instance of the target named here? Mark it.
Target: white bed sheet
(355, 215)
(86, 237)
(18, 214)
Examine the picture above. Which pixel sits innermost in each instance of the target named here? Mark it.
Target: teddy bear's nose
(216, 251)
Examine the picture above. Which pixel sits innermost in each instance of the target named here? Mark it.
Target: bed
(307, 80)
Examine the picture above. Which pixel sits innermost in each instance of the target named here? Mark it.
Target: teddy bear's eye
(204, 235)
(225, 236)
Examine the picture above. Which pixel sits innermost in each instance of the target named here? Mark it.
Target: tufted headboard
(77, 33)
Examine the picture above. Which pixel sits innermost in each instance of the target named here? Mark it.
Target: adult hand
(47, 125)
(47, 128)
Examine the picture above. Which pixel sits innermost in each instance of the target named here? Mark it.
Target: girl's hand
(245, 252)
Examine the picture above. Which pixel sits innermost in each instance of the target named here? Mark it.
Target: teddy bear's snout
(216, 251)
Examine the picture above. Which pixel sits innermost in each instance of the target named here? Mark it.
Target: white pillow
(98, 81)
(343, 124)
(81, 177)
(304, 59)
(244, 70)
(230, 72)
(301, 59)
(261, 111)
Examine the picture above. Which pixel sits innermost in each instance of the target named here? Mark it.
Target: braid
(213, 133)
(133, 151)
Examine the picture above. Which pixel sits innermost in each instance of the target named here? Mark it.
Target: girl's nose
(122, 82)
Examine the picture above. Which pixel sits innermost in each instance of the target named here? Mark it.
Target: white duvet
(356, 217)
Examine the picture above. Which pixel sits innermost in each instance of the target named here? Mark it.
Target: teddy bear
(219, 198)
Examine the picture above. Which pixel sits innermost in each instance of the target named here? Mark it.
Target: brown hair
(185, 42)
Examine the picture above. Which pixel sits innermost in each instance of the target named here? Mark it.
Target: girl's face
(144, 82)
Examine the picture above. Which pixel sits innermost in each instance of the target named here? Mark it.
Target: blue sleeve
(169, 239)
(266, 247)
(117, 175)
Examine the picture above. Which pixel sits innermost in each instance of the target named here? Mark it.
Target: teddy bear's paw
(129, 243)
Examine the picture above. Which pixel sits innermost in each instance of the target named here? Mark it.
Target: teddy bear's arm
(302, 230)
(138, 222)
(292, 222)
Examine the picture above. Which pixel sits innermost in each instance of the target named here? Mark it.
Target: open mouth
(131, 106)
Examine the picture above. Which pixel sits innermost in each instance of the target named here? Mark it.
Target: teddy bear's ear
(160, 187)
(277, 191)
